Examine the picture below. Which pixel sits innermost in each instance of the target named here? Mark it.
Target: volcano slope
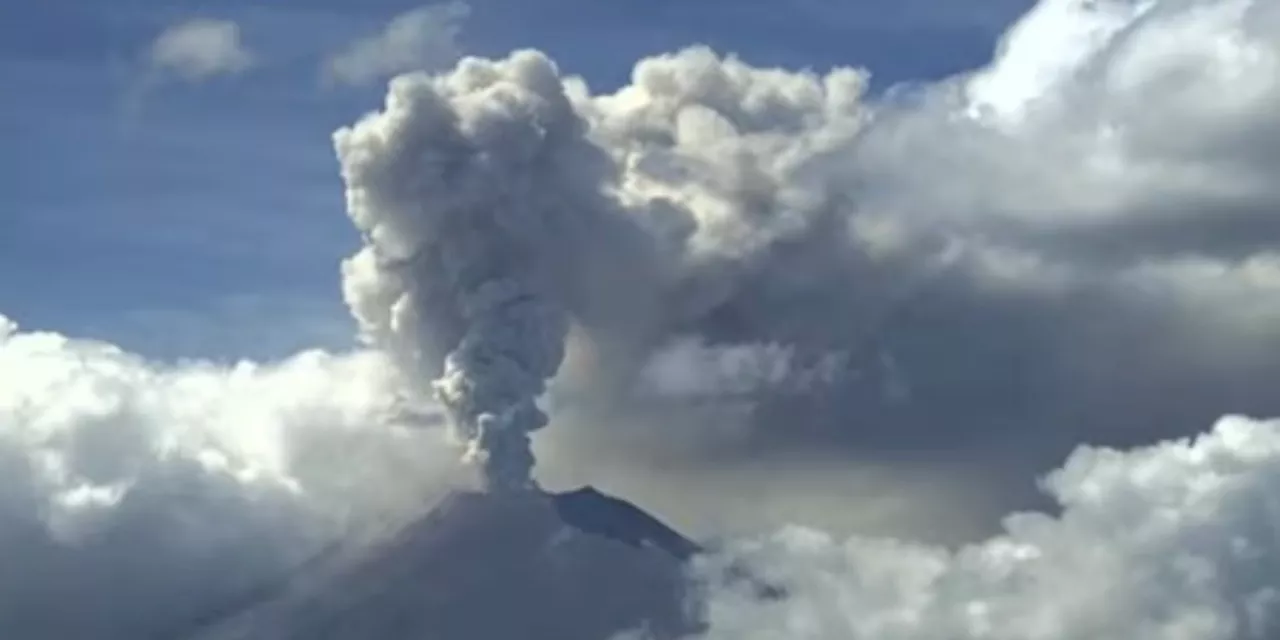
(571, 566)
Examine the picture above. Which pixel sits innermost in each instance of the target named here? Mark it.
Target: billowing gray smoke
(1054, 270)
(453, 279)
(496, 206)
(514, 342)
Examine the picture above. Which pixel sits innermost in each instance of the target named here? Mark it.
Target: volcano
(579, 565)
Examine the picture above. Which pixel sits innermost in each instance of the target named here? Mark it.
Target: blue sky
(205, 219)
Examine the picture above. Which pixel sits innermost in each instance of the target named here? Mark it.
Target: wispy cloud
(201, 48)
(422, 38)
(194, 51)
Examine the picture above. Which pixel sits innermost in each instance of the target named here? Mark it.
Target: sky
(958, 319)
(118, 166)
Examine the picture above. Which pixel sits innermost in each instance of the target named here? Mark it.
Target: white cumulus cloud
(1176, 541)
(1051, 261)
(201, 48)
(147, 495)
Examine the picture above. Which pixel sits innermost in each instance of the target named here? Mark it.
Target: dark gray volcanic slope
(528, 566)
(593, 512)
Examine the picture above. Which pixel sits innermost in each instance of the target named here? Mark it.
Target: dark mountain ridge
(579, 565)
(596, 513)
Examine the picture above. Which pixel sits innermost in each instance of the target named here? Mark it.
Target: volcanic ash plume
(449, 185)
(514, 342)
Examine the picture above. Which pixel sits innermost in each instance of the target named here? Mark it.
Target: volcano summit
(571, 566)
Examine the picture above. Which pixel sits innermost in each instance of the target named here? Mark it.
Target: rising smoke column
(499, 199)
(790, 208)
(455, 188)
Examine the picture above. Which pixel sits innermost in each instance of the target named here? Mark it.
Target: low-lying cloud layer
(148, 497)
(137, 497)
(766, 284)
(1179, 540)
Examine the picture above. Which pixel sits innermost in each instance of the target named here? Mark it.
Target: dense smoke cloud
(494, 211)
(450, 186)
(997, 266)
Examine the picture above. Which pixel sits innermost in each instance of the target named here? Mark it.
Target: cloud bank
(199, 49)
(144, 496)
(1177, 540)
(152, 495)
